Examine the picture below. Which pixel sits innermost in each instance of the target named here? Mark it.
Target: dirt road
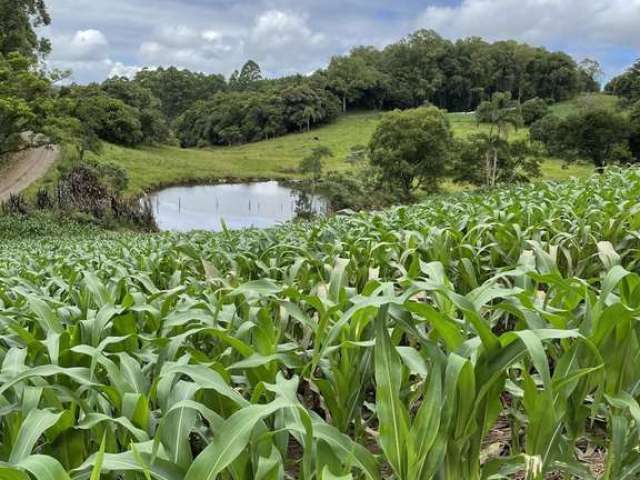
(25, 168)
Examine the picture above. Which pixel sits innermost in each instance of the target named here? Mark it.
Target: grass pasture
(152, 167)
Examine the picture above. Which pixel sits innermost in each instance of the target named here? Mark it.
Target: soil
(24, 169)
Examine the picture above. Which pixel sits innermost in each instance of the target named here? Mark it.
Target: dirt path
(25, 168)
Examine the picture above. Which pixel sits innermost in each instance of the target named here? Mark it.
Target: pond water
(242, 205)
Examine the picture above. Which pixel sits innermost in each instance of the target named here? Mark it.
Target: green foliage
(359, 190)
(247, 116)
(599, 135)
(412, 148)
(19, 20)
(489, 158)
(471, 337)
(109, 118)
(634, 140)
(312, 163)
(352, 78)
(501, 112)
(456, 76)
(516, 161)
(249, 74)
(357, 153)
(153, 123)
(43, 225)
(534, 110)
(24, 102)
(627, 85)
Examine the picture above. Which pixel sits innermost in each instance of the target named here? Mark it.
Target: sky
(101, 38)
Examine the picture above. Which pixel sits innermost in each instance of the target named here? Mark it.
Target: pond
(242, 205)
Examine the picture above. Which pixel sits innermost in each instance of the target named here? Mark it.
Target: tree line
(171, 105)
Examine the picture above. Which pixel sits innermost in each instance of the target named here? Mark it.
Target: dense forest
(170, 105)
(423, 68)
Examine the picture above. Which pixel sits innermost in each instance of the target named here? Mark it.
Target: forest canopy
(172, 105)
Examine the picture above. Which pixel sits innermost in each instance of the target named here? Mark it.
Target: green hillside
(152, 167)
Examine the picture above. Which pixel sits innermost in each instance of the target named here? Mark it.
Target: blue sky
(99, 38)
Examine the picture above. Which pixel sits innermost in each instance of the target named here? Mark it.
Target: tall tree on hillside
(627, 85)
(249, 74)
(592, 74)
(18, 21)
(349, 77)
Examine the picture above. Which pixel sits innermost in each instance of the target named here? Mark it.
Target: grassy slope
(151, 167)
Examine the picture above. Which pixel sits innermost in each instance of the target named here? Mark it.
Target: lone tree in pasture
(600, 135)
(411, 148)
(516, 161)
(312, 163)
(502, 113)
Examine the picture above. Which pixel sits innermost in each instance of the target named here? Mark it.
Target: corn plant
(475, 336)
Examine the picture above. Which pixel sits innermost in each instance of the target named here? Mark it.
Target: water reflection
(245, 205)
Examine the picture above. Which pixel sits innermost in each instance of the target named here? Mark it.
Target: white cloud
(119, 69)
(277, 29)
(284, 41)
(84, 45)
(286, 36)
(184, 47)
(580, 23)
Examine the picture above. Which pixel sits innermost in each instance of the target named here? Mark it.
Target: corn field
(478, 336)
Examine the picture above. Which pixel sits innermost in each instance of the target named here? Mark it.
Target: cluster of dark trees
(118, 111)
(424, 68)
(455, 76)
(236, 117)
(627, 85)
(195, 109)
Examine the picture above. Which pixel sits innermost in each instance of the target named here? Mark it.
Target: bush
(600, 135)
(533, 110)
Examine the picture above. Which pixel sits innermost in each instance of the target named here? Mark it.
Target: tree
(153, 123)
(591, 73)
(312, 163)
(110, 118)
(349, 77)
(177, 89)
(533, 110)
(25, 99)
(502, 113)
(412, 147)
(598, 134)
(249, 74)
(627, 85)
(516, 161)
(19, 20)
